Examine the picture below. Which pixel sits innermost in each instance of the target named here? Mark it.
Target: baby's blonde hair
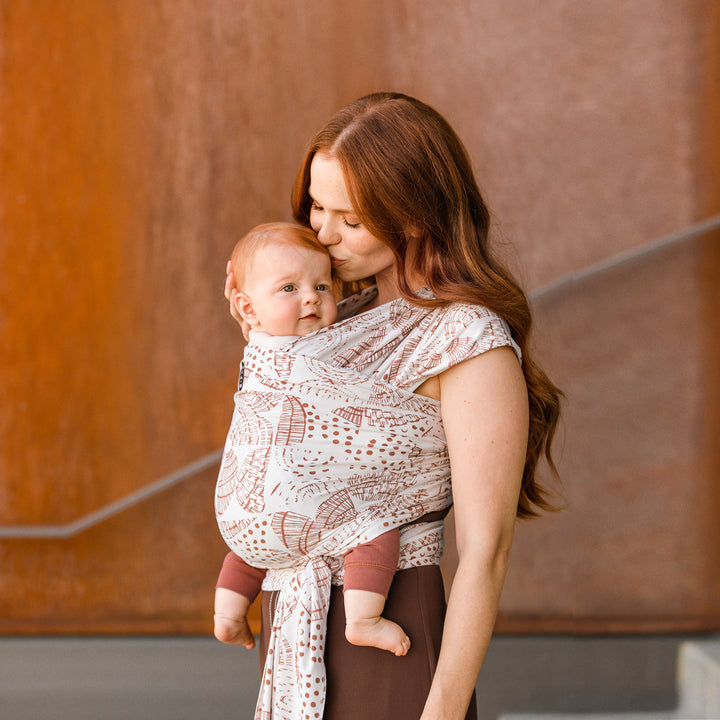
(274, 233)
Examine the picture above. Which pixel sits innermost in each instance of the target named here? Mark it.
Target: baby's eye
(288, 288)
(322, 287)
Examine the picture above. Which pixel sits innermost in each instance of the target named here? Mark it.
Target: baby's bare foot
(378, 632)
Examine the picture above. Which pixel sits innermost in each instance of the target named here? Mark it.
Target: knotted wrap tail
(294, 680)
(294, 677)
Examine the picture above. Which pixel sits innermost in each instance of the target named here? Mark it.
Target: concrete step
(191, 678)
(698, 678)
(594, 716)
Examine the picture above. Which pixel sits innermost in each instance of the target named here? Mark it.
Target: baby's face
(291, 290)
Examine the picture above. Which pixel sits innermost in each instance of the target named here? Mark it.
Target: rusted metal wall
(137, 139)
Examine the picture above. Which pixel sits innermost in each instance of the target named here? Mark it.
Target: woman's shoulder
(441, 337)
(469, 320)
(464, 312)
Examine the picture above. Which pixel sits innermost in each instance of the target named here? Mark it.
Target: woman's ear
(243, 304)
(413, 232)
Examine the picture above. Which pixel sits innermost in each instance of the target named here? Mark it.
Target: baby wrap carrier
(327, 449)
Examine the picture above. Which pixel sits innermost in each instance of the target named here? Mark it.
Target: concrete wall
(137, 139)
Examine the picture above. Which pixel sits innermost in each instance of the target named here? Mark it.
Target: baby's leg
(365, 626)
(369, 571)
(231, 625)
(237, 586)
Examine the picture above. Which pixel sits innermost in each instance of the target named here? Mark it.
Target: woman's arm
(485, 415)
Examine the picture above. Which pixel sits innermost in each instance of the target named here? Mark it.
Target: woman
(389, 190)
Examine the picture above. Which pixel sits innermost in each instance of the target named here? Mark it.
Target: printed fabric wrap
(328, 448)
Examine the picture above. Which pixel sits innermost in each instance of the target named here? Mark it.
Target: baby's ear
(243, 304)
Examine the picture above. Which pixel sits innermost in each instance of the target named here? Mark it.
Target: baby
(283, 275)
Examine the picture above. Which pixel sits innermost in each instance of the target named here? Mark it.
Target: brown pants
(369, 684)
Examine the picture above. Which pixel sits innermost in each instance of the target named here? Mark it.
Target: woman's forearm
(472, 608)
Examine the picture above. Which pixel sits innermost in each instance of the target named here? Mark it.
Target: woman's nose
(327, 235)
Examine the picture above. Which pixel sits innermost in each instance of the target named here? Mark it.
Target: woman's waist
(421, 543)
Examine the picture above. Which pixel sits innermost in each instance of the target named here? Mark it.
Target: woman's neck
(387, 286)
(387, 289)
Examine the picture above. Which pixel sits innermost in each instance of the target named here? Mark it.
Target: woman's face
(355, 253)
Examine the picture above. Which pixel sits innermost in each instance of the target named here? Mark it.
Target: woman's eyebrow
(338, 210)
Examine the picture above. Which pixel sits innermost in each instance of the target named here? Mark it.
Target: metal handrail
(676, 238)
(53, 532)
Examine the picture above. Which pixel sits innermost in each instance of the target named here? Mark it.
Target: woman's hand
(231, 293)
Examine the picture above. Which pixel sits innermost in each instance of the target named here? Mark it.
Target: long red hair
(411, 183)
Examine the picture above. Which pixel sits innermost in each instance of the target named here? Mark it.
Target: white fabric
(328, 448)
(256, 337)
